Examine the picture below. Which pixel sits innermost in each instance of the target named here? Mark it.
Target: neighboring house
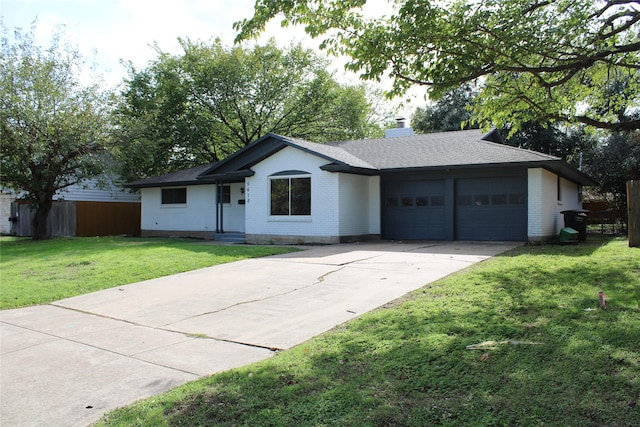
(7, 196)
(101, 189)
(440, 186)
(95, 207)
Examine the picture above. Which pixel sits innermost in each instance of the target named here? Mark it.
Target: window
(225, 195)
(464, 200)
(406, 201)
(559, 185)
(422, 201)
(174, 196)
(291, 196)
(499, 199)
(481, 200)
(392, 202)
(517, 199)
(437, 200)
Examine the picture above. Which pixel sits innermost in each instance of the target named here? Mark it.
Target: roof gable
(271, 143)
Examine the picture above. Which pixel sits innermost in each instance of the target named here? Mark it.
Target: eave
(227, 177)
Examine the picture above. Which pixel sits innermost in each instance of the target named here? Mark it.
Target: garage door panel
(491, 208)
(414, 210)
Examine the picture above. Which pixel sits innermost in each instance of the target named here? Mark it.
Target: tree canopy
(544, 61)
(210, 100)
(613, 163)
(53, 127)
(450, 112)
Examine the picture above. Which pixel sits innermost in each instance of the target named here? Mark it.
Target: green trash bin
(568, 235)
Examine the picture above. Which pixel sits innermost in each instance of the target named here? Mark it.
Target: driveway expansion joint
(318, 281)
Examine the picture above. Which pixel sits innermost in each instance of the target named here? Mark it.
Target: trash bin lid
(576, 211)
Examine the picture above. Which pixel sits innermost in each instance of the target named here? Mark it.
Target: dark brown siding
(107, 219)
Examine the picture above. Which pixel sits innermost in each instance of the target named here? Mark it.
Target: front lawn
(44, 271)
(553, 358)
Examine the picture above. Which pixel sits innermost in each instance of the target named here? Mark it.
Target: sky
(108, 32)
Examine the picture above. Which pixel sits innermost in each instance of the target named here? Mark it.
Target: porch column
(219, 197)
(217, 207)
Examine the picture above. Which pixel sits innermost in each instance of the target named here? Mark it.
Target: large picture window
(290, 196)
(174, 196)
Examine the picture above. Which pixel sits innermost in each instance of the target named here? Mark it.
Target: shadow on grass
(408, 364)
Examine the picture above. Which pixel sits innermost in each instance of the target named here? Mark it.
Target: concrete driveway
(69, 362)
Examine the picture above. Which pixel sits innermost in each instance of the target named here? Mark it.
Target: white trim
(298, 218)
(290, 218)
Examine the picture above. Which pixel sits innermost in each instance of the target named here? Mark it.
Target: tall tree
(209, 101)
(545, 61)
(450, 112)
(53, 127)
(613, 163)
(570, 142)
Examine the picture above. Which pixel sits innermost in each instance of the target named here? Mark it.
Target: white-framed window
(290, 195)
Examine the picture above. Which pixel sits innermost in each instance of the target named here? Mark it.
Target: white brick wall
(199, 213)
(324, 218)
(359, 205)
(374, 205)
(545, 219)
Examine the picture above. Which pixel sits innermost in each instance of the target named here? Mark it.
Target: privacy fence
(81, 219)
(633, 206)
(604, 218)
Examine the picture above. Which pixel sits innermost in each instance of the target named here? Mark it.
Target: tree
(450, 112)
(53, 128)
(538, 61)
(613, 163)
(571, 143)
(209, 101)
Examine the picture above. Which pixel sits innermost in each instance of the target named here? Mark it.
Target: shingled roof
(183, 177)
(433, 151)
(461, 148)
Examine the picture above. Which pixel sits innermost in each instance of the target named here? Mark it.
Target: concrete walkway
(69, 362)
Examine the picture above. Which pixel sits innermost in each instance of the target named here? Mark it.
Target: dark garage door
(491, 208)
(414, 210)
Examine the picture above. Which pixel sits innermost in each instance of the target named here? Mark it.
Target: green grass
(407, 364)
(44, 271)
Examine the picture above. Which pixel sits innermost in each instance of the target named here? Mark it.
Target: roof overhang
(558, 167)
(162, 184)
(226, 177)
(564, 170)
(334, 167)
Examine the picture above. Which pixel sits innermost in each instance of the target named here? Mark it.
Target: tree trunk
(39, 224)
(633, 209)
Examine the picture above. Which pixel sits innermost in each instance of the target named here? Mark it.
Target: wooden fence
(633, 207)
(82, 219)
(604, 219)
